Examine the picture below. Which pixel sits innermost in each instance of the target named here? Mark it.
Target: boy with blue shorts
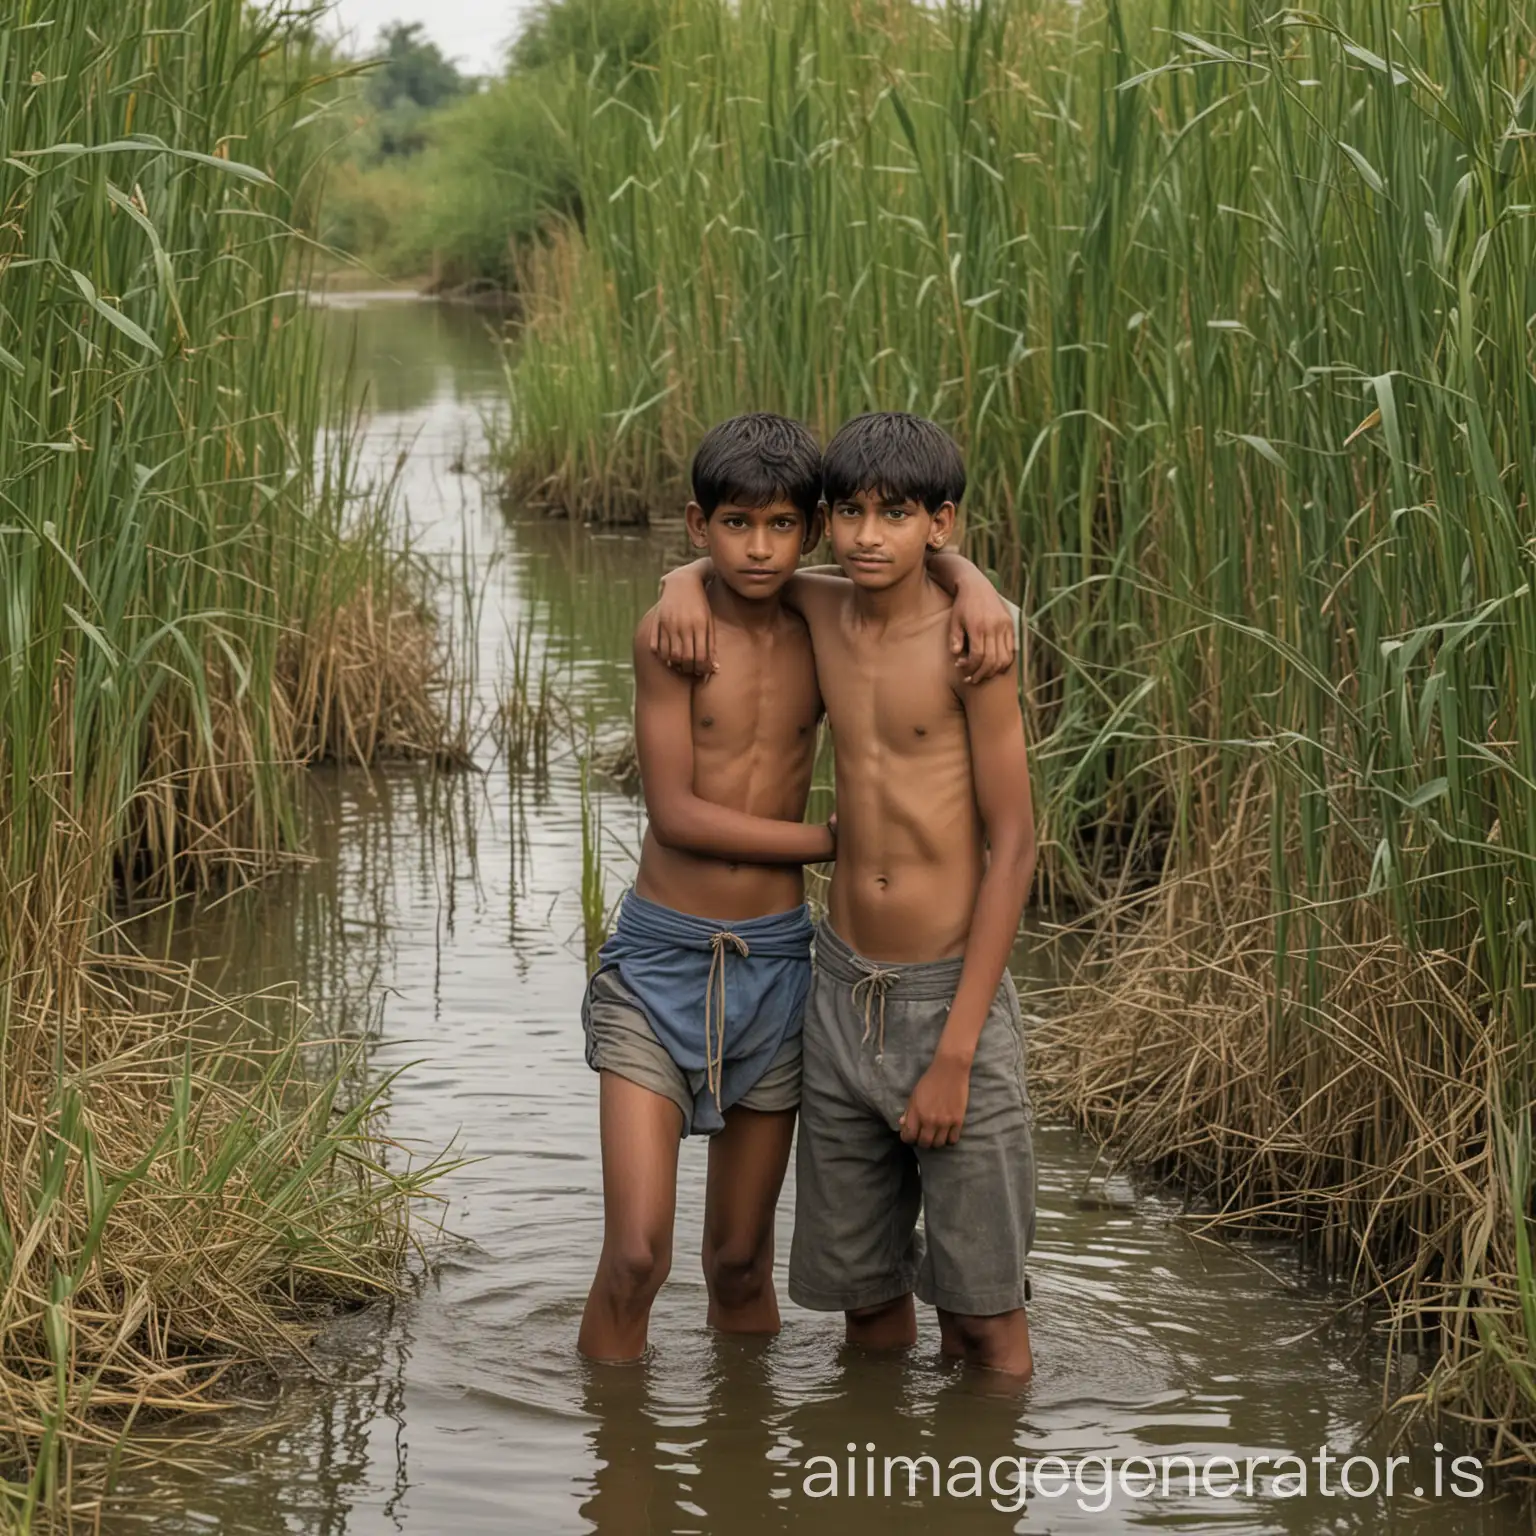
(693, 1017)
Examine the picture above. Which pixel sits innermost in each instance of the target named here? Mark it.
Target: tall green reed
(192, 602)
(1231, 310)
(594, 883)
(167, 536)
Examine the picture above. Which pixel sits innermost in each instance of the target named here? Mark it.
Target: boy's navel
(922, 730)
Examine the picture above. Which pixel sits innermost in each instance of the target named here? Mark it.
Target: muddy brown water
(443, 919)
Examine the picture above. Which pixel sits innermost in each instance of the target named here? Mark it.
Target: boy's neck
(744, 612)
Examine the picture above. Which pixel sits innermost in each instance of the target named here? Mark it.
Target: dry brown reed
(365, 680)
(1374, 1124)
(368, 680)
(184, 1189)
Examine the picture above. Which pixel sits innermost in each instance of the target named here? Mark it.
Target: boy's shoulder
(645, 632)
(816, 599)
(794, 623)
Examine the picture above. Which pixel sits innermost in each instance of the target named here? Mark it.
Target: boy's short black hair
(896, 454)
(755, 460)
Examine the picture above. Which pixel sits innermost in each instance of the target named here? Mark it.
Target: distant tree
(413, 80)
(619, 33)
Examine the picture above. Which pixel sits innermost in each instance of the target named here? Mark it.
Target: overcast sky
(473, 33)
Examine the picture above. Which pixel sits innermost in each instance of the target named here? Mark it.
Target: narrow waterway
(443, 918)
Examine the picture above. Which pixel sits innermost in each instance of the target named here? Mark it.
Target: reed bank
(193, 605)
(1234, 312)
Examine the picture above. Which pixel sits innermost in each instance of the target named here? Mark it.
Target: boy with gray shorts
(871, 1033)
(912, 1095)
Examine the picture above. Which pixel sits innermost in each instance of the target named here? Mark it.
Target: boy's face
(879, 541)
(755, 549)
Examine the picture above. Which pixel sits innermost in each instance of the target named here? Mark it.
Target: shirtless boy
(913, 1093)
(693, 1017)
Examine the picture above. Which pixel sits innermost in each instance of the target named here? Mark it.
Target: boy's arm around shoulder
(1000, 774)
(983, 624)
(817, 594)
(983, 628)
(679, 818)
(680, 630)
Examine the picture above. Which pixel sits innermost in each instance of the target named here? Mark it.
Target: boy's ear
(815, 528)
(697, 524)
(942, 525)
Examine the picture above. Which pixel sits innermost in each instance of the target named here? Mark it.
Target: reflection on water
(444, 917)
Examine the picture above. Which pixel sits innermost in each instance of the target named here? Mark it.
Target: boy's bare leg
(951, 1341)
(640, 1132)
(999, 1343)
(746, 1172)
(892, 1325)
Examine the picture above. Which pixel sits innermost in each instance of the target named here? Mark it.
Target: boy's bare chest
(764, 696)
(894, 698)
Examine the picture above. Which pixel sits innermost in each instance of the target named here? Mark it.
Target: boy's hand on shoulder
(982, 632)
(682, 625)
(936, 1111)
(983, 625)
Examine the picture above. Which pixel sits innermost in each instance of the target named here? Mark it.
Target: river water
(443, 917)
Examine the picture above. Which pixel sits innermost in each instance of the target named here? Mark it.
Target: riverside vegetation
(449, 185)
(194, 603)
(1232, 309)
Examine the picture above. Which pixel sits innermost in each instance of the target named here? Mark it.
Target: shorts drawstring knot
(879, 981)
(714, 1037)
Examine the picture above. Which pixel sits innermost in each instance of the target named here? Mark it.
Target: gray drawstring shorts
(870, 1033)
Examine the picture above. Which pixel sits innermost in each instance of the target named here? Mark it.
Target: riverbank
(1230, 314)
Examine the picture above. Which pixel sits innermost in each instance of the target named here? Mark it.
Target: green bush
(496, 172)
(608, 37)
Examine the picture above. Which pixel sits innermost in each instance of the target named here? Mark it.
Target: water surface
(444, 917)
